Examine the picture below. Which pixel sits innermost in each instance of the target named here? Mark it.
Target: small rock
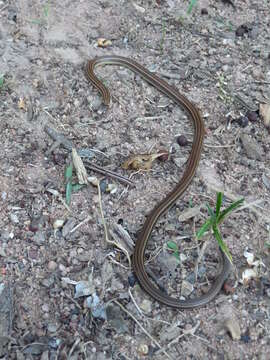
(14, 218)
(48, 282)
(252, 116)
(143, 349)
(186, 288)
(232, 326)
(182, 140)
(58, 224)
(52, 265)
(251, 147)
(242, 121)
(4, 235)
(45, 308)
(204, 11)
(146, 306)
(52, 328)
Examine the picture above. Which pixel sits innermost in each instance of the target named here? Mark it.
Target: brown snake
(171, 198)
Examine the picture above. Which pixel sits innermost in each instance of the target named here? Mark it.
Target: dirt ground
(65, 292)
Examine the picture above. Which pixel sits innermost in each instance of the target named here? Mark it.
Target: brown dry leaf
(139, 8)
(141, 161)
(80, 168)
(103, 43)
(265, 114)
(21, 104)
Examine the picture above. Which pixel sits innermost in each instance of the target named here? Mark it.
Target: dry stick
(109, 173)
(80, 224)
(143, 329)
(76, 342)
(134, 302)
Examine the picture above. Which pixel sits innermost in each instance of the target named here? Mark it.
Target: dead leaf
(103, 43)
(139, 8)
(80, 168)
(21, 104)
(141, 161)
(265, 114)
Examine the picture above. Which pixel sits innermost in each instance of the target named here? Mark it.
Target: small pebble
(242, 121)
(146, 306)
(45, 308)
(182, 140)
(103, 185)
(143, 349)
(204, 11)
(233, 328)
(52, 265)
(252, 116)
(132, 280)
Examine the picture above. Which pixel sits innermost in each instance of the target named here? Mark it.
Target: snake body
(171, 198)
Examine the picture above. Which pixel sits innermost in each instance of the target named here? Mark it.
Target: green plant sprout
(171, 245)
(216, 217)
(191, 5)
(1, 80)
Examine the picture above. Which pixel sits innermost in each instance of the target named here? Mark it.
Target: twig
(134, 302)
(220, 146)
(143, 329)
(109, 173)
(80, 224)
(76, 342)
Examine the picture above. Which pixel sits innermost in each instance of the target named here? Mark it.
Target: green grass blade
(219, 203)
(221, 243)
(211, 212)
(205, 227)
(232, 207)
(1, 80)
(191, 6)
(68, 177)
(172, 245)
(77, 187)
(68, 192)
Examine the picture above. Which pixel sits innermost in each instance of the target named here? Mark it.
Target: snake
(138, 258)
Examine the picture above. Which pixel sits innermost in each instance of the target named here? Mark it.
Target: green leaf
(68, 192)
(219, 203)
(68, 177)
(172, 245)
(77, 187)
(191, 5)
(211, 212)
(232, 207)
(205, 227)
(176, 255)
(1, 80)
(221, 243)
(68, 172)
(46, 10)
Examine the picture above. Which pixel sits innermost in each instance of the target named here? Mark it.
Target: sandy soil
(48, 252)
